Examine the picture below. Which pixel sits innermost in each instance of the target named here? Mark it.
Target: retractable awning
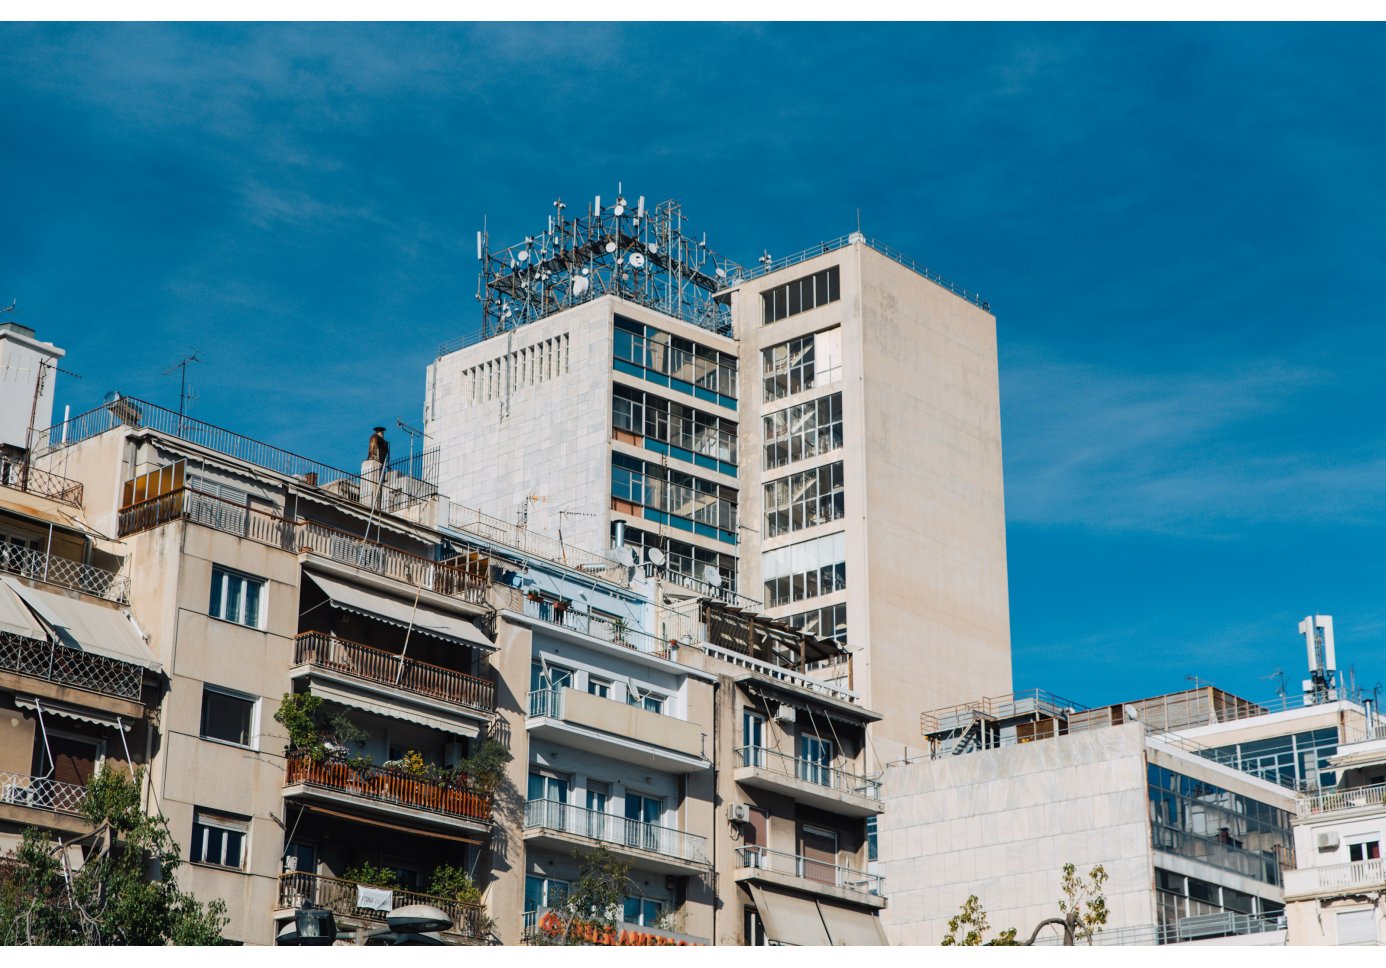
(49, 708)
(851, 926)
(392, 709)
(424, 619)
(98, 629)
(789, 918)
(16, 619)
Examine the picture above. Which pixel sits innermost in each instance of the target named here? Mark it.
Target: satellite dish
(580, 285)
(611, 247)
(628, 556)
(653, 247)
(619, 210)
(637, 260)
(721, 273)
(522, 257)
(655, 557)
(585, 270)
(712, 576)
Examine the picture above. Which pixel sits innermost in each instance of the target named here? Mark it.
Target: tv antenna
(412, 432)
(10, 307)
(183, 395)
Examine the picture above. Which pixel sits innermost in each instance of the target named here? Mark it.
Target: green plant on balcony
(370, 875)
(619, 628)
(323, 734)
(456, 884)
(483, 771)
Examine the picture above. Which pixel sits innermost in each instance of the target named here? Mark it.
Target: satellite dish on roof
(628, 556)
(522, 256)
(712, 576)
(611, 247)
(580, 285)
(636, 260)
(655, 557)
(619, 210)
(653, 248)
(721, 273)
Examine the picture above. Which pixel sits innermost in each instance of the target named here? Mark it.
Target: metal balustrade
(613, 631)
(611, 829)
(302, 536)
(1332, 801)
(33, 480)
(810, 869)
(781, 674)
(340, 897)
(54, 570)
(533, 543)
(53, 662)
(329, 652)
(546, 703)
(387, 786)
(1197, 928)
(808, 771)
(41, 793)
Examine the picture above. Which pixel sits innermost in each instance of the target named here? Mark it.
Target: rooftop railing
(1333, 801)
(55, 570)
(613, 631)
(135, 414)
(1336, 877)
(302, 536)
(808, 771)
(1199, 928)
(387, 786)
(31, 480)
(611, 829)
(327, 651)
(41, 793)
(342, 898)
(784, 262)
(66, 666)
(781, 674)
(529, 542)
(997, 707)
(810, 869)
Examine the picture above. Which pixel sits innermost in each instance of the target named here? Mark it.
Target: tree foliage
(322, 733)
(125, 893)
(593, 906)
(1082, 909)
(969, 927)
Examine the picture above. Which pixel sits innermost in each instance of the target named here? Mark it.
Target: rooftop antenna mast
(183, 396)
(412, 432)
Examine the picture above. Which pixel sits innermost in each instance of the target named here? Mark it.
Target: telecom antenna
(183, 396)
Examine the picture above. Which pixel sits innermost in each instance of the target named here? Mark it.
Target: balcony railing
(32, 480)
(1334, 800)
(41, 793)
(1335, 877)
(608, 630)
(611, 829)
(546, 703)
(70, 667)
(797, 865)
(1198, 928)
(530, 542)
(808, 771)
(54, 570)
(388, 668)
(340, 897)
(387, 786)
(303, 536)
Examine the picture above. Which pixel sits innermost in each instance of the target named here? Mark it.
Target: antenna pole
(182, 365)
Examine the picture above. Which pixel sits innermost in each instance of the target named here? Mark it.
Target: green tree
(484, 769)
(1083, 911)
(593, 906)
(969, 927)
(322, 733)
(125, 892)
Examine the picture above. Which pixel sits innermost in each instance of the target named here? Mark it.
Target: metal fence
(614, 631)
(530, 542)
(32, 480)
(70, 667)
(1334, 800)
(341, 897)
(611, 829)
(41, 793)
(392, 669)
(387, 786)
(1199, 928)
(45, 567)
(809, 868)
(809, 771)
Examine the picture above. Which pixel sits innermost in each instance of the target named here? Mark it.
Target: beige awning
(99, 629)
(851, 926)
(789, 918)
(16, 619)
(383, 707)
(49, 708)
(424, 619)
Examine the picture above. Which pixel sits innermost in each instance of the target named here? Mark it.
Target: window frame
(252, 728)
(218, 597)
(206, 821)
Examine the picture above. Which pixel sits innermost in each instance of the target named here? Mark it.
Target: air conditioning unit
(784, 713)
(739, 812)
(1327, 840)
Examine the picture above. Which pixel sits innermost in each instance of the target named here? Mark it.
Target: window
(544, 892)
(1357, 927)
(689, 502)
(801, 295)
(228, 716)
(1367, 850)
(816, 760)
(803, 430)
(545, 786)
(753, 931)
(652, 701)
(644, 911)
(642, 821)
(752, 738)
(684, 563)
(674, 362)
(829, 622)
(236, 597)
(601, 688)
(804, 500)
(871, 834)
(219, 839)
(805, 570)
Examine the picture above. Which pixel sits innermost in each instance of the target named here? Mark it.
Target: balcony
(656, 848)
(65, 666)
(88, 579)
(1335, 879)
(378, 792)
(807, 874)
(61, 803)
(469, 921)
(303, 537)
(629, 733)
(31, 480)
(352, 660)
(813, 784)
(608, 630)
(1337, 801)
(544, 927)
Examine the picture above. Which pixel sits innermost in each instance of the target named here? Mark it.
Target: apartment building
(816, 437)
(1334, 897)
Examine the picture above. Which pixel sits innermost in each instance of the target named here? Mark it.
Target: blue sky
(1179, 228)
